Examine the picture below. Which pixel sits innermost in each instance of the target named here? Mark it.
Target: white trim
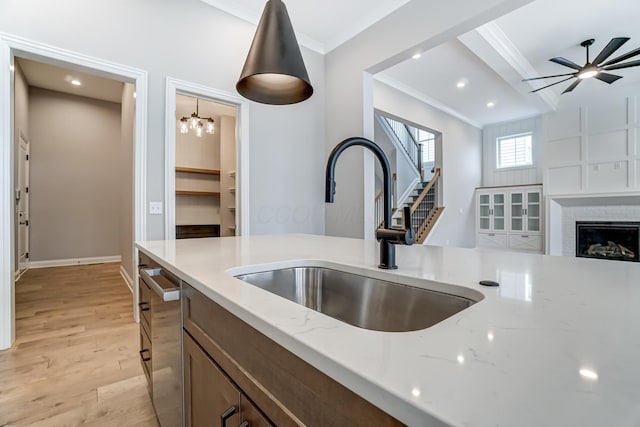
(366, 19)
(395, 84)
(74, 261)
(175, 86)
(9, 47)
(128, 280)
(433, 229)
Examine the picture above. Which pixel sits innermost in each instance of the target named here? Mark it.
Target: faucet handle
(410, 234)
(406, 217)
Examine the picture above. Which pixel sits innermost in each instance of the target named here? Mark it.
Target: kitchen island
(556, 344)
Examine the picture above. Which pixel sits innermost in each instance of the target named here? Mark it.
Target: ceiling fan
(596, 68)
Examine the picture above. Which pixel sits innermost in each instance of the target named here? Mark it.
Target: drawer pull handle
(491, 235)
(226, 415)
(144, 359)
(144, 306)
(525, 236)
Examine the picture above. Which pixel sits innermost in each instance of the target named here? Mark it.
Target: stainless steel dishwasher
(166, 345)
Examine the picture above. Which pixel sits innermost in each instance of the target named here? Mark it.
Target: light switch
(155, 208)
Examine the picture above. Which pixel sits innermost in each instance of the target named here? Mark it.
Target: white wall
(594, 147)
(492, 177)
(287, 143)
(349, 111)
(127, 119)
(461, 163)
(21, 125)
(75, 177)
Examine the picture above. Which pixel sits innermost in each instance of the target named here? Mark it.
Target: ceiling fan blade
(563, 61)
(625, 65)
(573, 86)
(608, 50)
(607, 78)
(621, 58)
(552, 84)
(548, 77)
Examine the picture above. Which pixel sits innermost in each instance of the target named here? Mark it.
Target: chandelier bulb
(211, 129)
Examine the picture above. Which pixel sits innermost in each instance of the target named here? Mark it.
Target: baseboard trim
(128, 280)
(74, 261)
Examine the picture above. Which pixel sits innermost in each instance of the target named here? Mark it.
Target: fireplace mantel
(564, 209)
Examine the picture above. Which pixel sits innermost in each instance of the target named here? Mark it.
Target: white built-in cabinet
(509, 218)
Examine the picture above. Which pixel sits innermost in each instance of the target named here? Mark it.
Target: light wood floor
(75, 360)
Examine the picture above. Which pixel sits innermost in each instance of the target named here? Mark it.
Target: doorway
(207, 182)
(11, 48)
(22, 204)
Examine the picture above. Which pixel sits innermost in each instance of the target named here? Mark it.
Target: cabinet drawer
(526, 242)
(492, 240)
(145, 355)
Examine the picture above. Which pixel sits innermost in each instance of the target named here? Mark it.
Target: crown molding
(399, 86)
(254, 17)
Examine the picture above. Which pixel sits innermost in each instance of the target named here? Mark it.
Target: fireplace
(618, 241)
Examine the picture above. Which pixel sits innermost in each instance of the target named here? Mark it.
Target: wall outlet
(155, 208)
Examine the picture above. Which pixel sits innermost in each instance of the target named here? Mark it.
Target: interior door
(22, 205)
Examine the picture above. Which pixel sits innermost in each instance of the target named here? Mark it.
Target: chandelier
(197, 124)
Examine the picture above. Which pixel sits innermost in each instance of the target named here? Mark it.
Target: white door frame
(23, 195)
(174, 87)
(11, 46)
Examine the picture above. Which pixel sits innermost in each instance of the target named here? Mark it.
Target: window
(427, 140)
(514, 151)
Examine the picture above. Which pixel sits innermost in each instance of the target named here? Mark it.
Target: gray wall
(514, 176)
(75, 184)
(461, 163)
(127, 117)
(21, 124)
(287, 143)
(348, 108)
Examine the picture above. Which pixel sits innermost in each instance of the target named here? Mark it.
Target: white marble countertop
(557, 344)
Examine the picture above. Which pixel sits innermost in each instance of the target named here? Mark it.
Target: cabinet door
(208, 394)
(533, 211)
(517, 212)
(251, 415)
(499, 212)
(484, 212)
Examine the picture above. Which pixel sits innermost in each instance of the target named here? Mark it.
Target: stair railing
(426, 207)
(407, 141)
(379, 202)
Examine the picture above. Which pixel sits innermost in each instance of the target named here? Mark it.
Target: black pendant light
(274, 72)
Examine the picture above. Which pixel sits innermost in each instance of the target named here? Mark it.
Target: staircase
(425, 208)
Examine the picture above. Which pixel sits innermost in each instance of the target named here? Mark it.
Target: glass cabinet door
(484, 206)
(517, 212)
(499, 211)
(533, 211)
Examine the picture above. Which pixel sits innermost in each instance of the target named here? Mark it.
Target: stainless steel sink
(361, 301)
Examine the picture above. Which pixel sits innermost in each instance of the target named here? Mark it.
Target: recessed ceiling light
(417, 56)
(460, 84)
(491, 104)
(76, 82)
(416, 392)
(588, 374)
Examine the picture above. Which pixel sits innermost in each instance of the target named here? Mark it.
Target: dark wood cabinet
(275, 387)
(208, 394)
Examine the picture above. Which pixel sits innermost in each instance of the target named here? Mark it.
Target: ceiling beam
(490, 43)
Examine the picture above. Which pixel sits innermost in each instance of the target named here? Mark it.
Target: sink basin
(361, 301)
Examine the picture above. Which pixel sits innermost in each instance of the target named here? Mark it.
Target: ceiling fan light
(587, 74)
